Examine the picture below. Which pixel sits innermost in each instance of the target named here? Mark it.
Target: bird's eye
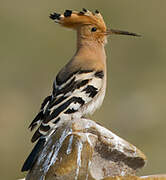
(93, 29)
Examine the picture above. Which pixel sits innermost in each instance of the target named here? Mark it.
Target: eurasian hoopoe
(79, 88)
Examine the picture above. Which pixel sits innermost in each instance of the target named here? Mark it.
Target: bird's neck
(92, 50)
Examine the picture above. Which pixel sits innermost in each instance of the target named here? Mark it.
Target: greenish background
(33, 49)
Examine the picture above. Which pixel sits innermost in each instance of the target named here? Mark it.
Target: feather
(33, 155)
(79, 89)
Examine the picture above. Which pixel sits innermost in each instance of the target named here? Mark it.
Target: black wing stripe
(91, 90)
(36, 135)
(36, 119)
(59, 100)
(46, 114)
(64, 106)
(48, 98)
(99, 74)
(82, 83)
(40, 115)
(68, 88)
(60, 82)
(72, 86)
(44, 128)
(57, 120)
(70, 111)
(85, 71)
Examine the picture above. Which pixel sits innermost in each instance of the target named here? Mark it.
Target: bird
(79, 87)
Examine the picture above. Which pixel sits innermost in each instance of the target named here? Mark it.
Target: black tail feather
(28, 164)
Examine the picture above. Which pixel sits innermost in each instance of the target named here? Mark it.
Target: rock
(152, 177)
(84, 150)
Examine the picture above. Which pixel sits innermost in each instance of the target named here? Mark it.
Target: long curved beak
(119, 32)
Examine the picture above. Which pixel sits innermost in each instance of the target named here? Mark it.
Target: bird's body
(79, 87)
(78, 90)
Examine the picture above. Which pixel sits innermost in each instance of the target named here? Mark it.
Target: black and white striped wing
(68, 98)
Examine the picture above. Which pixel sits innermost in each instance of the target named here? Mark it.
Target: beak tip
(137, 35)
(119, 32)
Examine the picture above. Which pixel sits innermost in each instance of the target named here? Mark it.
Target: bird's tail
(28, 164)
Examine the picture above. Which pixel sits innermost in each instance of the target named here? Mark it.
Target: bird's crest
(74, 19)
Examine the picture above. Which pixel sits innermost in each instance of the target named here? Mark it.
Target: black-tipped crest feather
(67, 13)
(55, 16)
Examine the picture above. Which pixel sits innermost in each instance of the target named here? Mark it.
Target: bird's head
(89, 25)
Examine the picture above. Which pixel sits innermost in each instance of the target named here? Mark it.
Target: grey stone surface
(82, 150)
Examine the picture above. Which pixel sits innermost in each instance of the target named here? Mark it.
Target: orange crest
(74, 19)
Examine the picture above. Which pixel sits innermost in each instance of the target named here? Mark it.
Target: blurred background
(33, 49)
